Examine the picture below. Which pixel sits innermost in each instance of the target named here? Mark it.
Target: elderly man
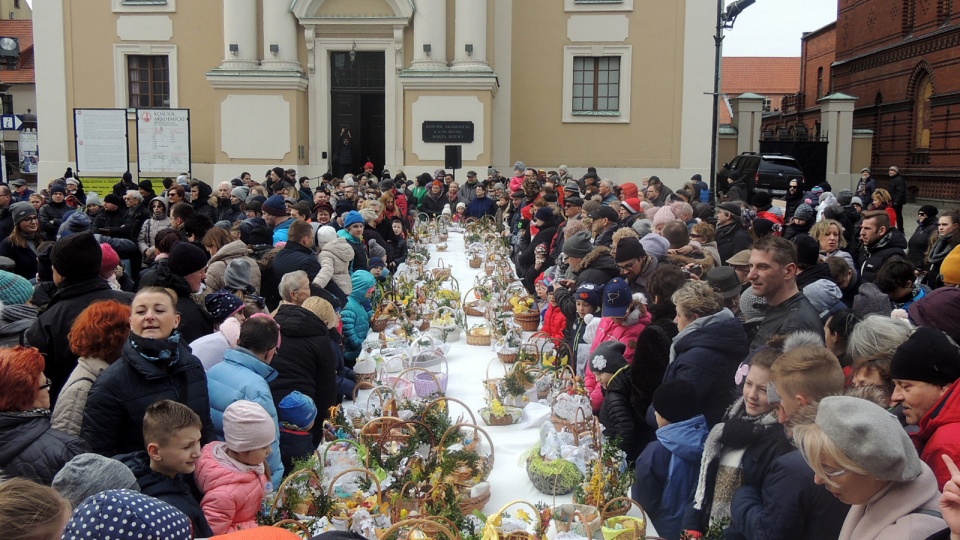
(607, 192)
(731, 237)
(294, 287)
(773, 276)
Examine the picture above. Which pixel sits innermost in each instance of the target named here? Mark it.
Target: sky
(774, 27)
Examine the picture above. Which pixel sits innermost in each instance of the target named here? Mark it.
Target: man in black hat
(76, 263)
(605, 223)
(184, 273)
(732, 238)
(634, 264)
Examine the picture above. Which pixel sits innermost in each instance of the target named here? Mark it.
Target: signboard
(10, 122)
(447, 132)
(163, 140)
(100, 140)
(29, 152)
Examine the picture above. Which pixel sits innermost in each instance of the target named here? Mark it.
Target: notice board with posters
(163, 141)
(100, 140)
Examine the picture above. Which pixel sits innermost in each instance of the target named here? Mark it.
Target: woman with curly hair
(882, 201)
(97, 337)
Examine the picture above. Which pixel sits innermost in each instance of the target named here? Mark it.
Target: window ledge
(597, 5)
(596, 113)
(144, 6)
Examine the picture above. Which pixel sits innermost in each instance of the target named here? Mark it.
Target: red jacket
(939, 433)
(554, 322)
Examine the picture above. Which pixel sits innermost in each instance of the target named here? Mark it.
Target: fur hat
(870, 436)
(77, 257)
(248, 426)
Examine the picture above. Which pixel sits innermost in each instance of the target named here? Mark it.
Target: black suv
(768, 172)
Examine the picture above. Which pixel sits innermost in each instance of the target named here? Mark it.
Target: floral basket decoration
(508, 347)
(479, 335)
(357, 503)
(498, 414)
(447, 324)
(465, 457)
(522, 525)
(623, 527)
(365, 370)
(608, 480)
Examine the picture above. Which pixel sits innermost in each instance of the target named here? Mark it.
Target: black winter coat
(195, 322)
(708, 358)
(432, 207)
(51, 217)
(113, 417)
(138, 215)
(49, 331)
(295, 256)
(619, 418)
(118, 224)
(919, 242)
(782, 501)
(898, 191)
(305, 361)
(30, 448)
(597, 267)
(732, 239)
(24, 258)
(6, 222)
(873, 256)
(650, 361)
(173, 491)
(527, 259)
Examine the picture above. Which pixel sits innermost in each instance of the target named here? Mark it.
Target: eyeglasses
(625, 267)
(834, 474)
(46, 385)
(31, 218)
(696, 236)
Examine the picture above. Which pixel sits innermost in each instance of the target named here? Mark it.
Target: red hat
(368, 165)
(632, 205)
(110, 260)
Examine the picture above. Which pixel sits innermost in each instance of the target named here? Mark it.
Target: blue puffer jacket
(667, 472)
(356, 318)
(707, 357)
(243, 376)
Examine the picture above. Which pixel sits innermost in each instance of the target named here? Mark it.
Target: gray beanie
(578, 245)
(823, 294)
(870, 436)
(89, 474)
(752, 307)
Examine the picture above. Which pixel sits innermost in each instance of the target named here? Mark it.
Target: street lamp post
(725, 20)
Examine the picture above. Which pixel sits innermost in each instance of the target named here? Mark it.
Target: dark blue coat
(173, 491)
(295, 256)
(708, 358)
(295, 446)
(784, 502)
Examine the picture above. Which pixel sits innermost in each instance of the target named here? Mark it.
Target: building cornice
(910, 47)
(447, 80)
(256, 80)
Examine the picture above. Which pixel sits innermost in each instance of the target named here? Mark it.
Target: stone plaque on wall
(447, 131)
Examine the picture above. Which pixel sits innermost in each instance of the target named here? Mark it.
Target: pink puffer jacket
(231, 496)
(626, 333)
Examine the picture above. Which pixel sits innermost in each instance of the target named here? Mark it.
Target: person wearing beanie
(925, 369)
(731, 237)
(587, 264)
(245, 374)
(528, 265)
(356, 315)
(89, 474)
(919, 242)
(231, 474)
(221, 305)
(297, 414)
(352, 232)
(617, 414)
(859, 452)
(584, 324)
(21, 246)
(634, 264)
(76, 263)
(802, 221)
(14, 289)
(184, 274)
(432, 201)
(275, 214)
(114, 220)
(51, 214)
(142, 517)
(667, 469)
(108, 267)
(336, 256)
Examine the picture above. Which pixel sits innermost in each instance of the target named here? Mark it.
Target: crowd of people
(770, 368)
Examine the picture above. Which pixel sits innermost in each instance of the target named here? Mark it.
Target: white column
(280, 33)
(747, 115)
(240, 30)
(470, 29)
(430, 31)
(836, 120)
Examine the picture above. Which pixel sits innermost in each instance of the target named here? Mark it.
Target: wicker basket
(473, 339)
(634, 528)
(469, 504)
(581, 519)
(514, 414)
(441, 271)
(528, 320)
(508, 358)
(476, 262)
(301, 529)
(430, 527)
(516, 535)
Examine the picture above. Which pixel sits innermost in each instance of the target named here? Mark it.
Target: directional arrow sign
(10, 122)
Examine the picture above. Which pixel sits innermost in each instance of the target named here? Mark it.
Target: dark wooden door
(357, 103)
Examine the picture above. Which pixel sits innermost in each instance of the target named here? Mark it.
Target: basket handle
(367, 472)
(303, 530)
(434, 526)
(283, 485)
(415, 369)
(360, 451)
(603, 510)
(490, 363)
(456, 427)
(438, 400)
(511, 503)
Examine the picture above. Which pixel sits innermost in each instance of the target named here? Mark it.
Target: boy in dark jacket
(171, 433)
(297, 414)
(583, 328)
(668, 467)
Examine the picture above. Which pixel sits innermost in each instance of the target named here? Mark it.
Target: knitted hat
(110, 261)
(113, 198)
(247, 426)
(724, 280)
(675, 400)
(89, 474)
(578, 245)
(929, 210)
(376, 262)
(77, 257)
(762, 226)
(865, 170)
(629, 248)
(519, 166)
(950, 267)
(844, 197)
(14, 289)
(870, 436)
(297, 410)
(655, 245)
(221, 305)
(856, 200)
(544, 214)
(927, 356)
(894, 168)
(122, 514)
(823, 294)
(616, 298)
(731, 207)
(238, 277)
(752, 307)
(351, 218)
(805, 212)
(240, 192)
(808, 249)
(632, 205)
(590, 206)
(274, 206)
(762, 200)
(368, 165)
(642, 227)
(375, 249)
(93, 199)
(939, 309)
(58, 188)
(325, 235)
(186, 258)
(21, 211)
(608, 357)
(77, 222)
(589, 293)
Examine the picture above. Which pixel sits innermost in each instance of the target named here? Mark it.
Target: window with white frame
(596, 84)
(145, 75)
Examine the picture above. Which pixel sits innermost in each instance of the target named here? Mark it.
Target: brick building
(901, 60)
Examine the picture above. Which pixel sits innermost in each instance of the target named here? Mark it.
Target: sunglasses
(921, 213)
